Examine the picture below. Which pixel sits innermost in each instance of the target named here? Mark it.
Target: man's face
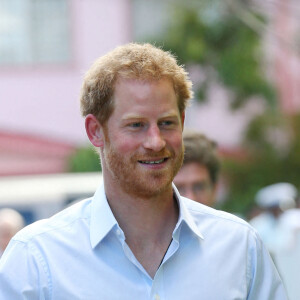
(193, 182)
(143, 147)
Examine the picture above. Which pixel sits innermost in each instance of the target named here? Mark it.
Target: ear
(182, 119)
(94, 130)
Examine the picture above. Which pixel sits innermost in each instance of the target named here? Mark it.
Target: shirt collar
(103, 220)
(184, 216)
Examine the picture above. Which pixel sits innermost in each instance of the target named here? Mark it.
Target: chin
(148, 189)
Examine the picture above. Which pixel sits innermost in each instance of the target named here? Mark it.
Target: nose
(154, 140)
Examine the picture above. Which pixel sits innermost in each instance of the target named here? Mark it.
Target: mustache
(153, 155)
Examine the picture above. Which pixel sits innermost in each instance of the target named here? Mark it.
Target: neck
(144, 220)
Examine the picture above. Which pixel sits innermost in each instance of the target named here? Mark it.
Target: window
(34, 31)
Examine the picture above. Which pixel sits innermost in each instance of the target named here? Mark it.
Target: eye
(166, 123)
(136, 125)
(200, 187)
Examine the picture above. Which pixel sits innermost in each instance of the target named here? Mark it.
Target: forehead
(137, 94)
(192, 172)
(131, 84)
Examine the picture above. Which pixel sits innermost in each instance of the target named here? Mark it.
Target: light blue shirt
(81, 253)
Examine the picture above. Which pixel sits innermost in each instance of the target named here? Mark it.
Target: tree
(272, 144)
(214, 37)
(85, 159)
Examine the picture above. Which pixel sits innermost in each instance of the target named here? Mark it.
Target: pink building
(45, 48)
(286, 34)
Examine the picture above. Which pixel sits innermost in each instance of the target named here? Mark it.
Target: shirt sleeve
(265, 282)
(23, 274)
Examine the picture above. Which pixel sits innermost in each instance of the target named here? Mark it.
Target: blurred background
(243, 58)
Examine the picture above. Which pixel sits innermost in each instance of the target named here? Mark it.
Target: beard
(136, 180)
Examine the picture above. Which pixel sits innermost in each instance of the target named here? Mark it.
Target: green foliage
(223, 43)
(273, 146)
(85, 159)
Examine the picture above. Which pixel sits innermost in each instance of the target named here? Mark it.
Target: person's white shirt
(81, 253)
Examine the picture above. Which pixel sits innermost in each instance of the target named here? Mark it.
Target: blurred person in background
(288, 259)
(137, 238)
(290, 220)
(274, 200)
(279, 227)
(10, 223)
(198, 176)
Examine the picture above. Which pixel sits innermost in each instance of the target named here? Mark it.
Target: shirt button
(156, 297)
(118, 231)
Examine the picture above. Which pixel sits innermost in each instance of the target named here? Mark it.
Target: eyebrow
(138, 116)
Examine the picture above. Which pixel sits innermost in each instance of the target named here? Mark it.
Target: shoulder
(77, 213)
(207, 218)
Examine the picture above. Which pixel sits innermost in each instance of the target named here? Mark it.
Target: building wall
(286, 49)
(26, 154)
(43, 98)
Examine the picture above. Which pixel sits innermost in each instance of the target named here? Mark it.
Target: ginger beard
(133, 178)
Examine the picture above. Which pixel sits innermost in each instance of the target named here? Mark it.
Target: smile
(153, 162)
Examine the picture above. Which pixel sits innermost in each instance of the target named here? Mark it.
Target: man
(10, 223)
(276, 227)
(197, 178)
(137, 238)
(274, 200)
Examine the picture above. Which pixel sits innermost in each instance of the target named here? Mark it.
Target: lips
(153, 162)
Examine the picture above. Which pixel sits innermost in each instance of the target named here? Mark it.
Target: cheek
(175, 140)
(125, 144)
(118, 141)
